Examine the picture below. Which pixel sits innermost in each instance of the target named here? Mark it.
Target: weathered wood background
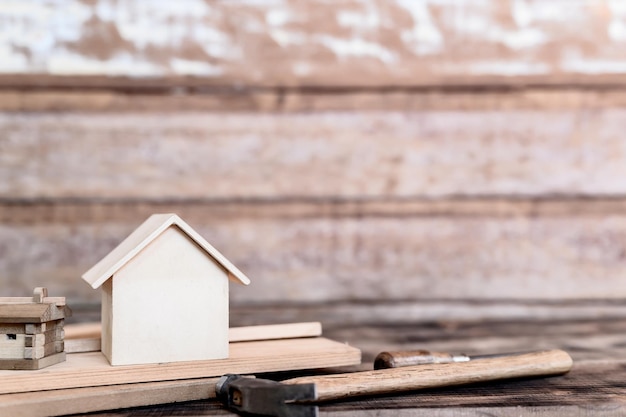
(468, 154)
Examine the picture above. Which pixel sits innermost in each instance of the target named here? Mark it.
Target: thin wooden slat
(372, 42)
(86, 336)
(368, 155)
(92, 369)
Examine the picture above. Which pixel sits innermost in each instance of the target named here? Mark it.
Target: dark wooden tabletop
(595, 386)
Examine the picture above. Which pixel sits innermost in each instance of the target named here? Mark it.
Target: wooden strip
(369, 155)
(92, 369)
(371, 42)
(274, 331)
(444, 98)
(86, 336)
(58, 301)
(83, 345)
(84, 400)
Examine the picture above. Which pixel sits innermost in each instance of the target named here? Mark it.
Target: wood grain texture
(293, 43)
(85, 337)
(594, 386)
(315, 155)
(92, 369)
(84, 400)
(223, 100)
(317, 259)
(419, 377)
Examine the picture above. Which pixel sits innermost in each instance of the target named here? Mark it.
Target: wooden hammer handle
(388, 381)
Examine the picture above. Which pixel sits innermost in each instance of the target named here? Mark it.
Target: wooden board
(92, 369)
(353, 42)
(268, 158)
(595, 386)
(319, 258)
(84, 400)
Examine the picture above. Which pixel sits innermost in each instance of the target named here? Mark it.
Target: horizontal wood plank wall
(344, 153)
(510, 204)
(338, 43)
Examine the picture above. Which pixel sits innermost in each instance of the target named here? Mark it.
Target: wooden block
(58, 301)
(82, 345)
(31, 364)
(92, 369)
(35, 328)
(12, 328)
(12, 346)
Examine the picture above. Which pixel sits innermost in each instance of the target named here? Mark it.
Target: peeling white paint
(502, 67)
(593, 66)
(11, 61)
(425, 37)
(277, 17)
(521, 12)
(617, 27)
(526, 38)
(367, 19)
(39, 36)
(302, 69)
(65, 62)
(197, 68)
(286, 38)
(617, 30)
(344, 48)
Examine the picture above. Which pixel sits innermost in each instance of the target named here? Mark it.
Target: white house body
(164, 295)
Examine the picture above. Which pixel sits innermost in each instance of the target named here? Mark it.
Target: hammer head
(264, 397)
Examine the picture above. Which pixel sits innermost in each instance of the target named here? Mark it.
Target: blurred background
(359, 160)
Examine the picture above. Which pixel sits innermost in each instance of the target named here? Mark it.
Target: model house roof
(142, 237)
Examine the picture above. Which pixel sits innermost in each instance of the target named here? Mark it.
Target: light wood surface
(92, 369)
(84, 400)
(410, 378)
(85, 337)
(594, 386)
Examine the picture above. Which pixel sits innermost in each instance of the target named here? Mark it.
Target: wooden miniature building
(31, 331)
(164, 295)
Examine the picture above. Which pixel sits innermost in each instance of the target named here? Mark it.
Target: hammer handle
(393, 380)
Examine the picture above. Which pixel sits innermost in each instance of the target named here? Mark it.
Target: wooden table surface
(595, 386)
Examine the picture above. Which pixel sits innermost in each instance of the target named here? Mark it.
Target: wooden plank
(92, 369)
(274, 331)
(595, 382)
(368, 155)
(86, 336)
(84, 400)
(58, 301)
(30, 365)
(447, 98)
(321, 259)
(372, 42)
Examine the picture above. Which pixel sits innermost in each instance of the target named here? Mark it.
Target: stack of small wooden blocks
(31, 331)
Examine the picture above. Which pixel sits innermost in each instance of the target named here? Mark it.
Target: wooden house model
(31, 331)
(164, 295)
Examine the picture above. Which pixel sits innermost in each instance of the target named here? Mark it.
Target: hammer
(296, 397)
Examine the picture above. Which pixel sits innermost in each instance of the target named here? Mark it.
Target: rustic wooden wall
(398, 152)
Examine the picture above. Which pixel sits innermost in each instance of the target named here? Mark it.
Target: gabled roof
(141, 237)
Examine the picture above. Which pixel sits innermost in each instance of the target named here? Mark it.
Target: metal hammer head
(264, 397)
